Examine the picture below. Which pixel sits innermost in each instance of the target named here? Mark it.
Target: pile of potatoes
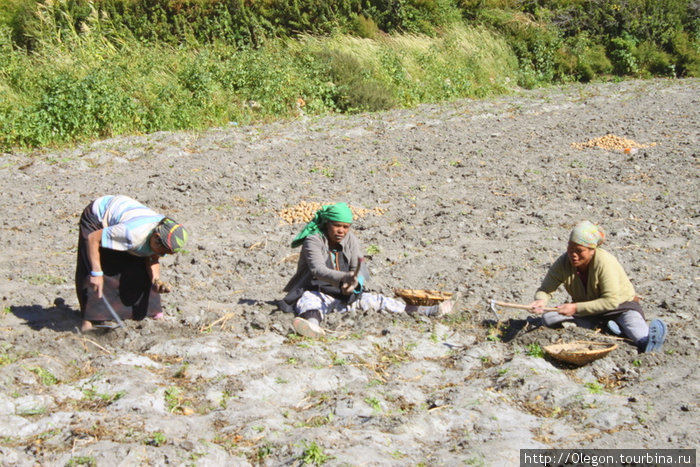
(611, 142)
(305, 211)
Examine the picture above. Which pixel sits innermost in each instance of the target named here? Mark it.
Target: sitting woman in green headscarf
(331, 274)
(600, 291)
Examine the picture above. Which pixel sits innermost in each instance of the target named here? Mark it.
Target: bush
(622, 52)
(364, 27)
(534, 43)
(580, 59)
(686, 53)
(653, 61)
(72, 108)
(357, 89)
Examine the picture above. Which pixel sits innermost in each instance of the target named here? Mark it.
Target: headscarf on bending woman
(339, 212)
(587, 234)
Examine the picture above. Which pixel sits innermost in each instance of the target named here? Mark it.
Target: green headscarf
(339, 212)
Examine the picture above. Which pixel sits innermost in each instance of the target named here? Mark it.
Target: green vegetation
(173, 399)
(372, 249)
(535, 350)
(45, 376)
(157, 439)
(45, 279)
(76, 70)
(6, 357)
(91, 394)
(82, 460)
(264, 451)
(313, 454)
(374, 403)
(594, 388)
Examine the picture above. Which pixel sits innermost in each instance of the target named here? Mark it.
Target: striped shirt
(127, 224)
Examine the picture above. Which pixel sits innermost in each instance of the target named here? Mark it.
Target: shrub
(581, 60)
(364, 27)
(686, 53)
(622, 52)
(357, 89)
(71, 107)
(654, 61)
(534, 42)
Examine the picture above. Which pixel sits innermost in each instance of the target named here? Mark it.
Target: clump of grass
(313, 454)
(374, 403)
(103, 398)
(594, 388)
(45, 376)
(45, 279)
(494, 334)
(88, 461)
(157, 439)
(173, 399)
(534, 350)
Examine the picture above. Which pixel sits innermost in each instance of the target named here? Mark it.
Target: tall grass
(74, 70)
(83, 87)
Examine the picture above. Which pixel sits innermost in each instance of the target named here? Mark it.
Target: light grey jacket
(313, 259)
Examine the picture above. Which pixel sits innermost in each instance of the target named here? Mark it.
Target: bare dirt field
(475, 197)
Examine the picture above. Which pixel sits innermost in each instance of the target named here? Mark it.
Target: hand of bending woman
(161, 287)
(97, 284)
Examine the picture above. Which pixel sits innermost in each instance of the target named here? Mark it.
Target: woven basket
(422, 297)
(580, 352)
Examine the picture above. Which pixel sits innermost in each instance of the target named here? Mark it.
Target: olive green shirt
(608, 285)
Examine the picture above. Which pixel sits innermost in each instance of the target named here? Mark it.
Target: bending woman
(327, 277)
(119, 247)
(600, 291)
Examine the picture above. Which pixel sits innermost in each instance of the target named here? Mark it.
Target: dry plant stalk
(85, 339)
(221, 322)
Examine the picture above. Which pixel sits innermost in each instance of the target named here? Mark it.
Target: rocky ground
(475, 197)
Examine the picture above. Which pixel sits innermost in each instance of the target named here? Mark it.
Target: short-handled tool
(356, 272)
(493, 303)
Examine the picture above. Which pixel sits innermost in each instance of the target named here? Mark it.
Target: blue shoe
(614, 328)
(657, 335)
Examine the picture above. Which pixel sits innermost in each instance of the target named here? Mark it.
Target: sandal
(657, 335)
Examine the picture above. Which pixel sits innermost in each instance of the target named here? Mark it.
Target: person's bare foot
(87, 326)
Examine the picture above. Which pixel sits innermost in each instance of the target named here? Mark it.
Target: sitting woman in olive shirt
(600, 291)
